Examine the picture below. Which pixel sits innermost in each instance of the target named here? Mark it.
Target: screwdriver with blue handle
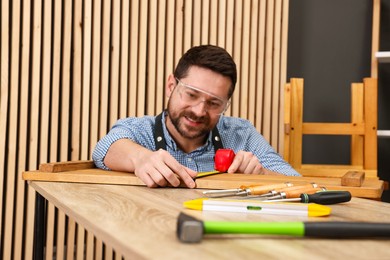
(321, 197)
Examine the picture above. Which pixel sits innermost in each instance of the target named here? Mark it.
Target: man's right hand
(154, 168)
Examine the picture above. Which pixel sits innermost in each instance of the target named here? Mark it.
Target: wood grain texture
(371, 188)
(130, 219)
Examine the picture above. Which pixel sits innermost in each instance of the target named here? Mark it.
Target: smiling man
(183, 139)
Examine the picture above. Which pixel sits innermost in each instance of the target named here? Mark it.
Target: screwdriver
(287, 194)
(302, 188)
(322, 197)
(246, 190)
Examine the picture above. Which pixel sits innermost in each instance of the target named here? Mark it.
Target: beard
(187, 131)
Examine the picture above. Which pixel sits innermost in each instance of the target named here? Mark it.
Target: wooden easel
(362, 128)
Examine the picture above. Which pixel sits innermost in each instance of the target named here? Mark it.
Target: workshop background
(70, 69)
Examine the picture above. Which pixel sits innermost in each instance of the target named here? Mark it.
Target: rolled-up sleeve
(139, 130)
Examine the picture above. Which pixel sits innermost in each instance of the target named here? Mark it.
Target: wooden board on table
(370, 188)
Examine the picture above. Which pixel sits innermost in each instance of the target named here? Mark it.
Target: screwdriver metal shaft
(246, 190)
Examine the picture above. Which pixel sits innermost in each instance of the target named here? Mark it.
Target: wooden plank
(371, 123)
(296, 122)
(287, 121)
(357, 117)
(333, 128)
(371, 188)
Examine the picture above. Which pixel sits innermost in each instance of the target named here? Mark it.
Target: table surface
(140, 222)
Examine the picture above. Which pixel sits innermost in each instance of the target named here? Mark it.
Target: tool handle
(261, 189)
(346, 229)
(297, 193)
(326, 197)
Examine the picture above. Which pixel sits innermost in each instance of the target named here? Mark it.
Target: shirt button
(189, 159)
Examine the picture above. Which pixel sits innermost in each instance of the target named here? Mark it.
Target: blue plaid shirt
(236, 133)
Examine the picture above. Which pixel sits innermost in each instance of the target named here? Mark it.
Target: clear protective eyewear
(194, 96)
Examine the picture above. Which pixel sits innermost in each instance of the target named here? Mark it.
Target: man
(182, 141)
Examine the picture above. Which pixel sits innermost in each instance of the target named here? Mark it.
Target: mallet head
(189, 229)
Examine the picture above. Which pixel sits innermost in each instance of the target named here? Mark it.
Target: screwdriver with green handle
(322, 197)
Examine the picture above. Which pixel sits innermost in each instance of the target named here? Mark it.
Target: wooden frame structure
(362, 128)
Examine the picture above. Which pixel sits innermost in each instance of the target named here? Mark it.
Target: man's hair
(210, 57)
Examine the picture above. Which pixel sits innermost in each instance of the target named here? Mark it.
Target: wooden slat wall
(70, 69)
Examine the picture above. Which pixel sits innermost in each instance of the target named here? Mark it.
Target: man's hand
(154, 168)
(246, 162)
(159, 168)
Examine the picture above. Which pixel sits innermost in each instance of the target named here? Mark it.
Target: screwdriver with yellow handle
(246, 190)
(274, 192)
(287, 194)
(259, 190)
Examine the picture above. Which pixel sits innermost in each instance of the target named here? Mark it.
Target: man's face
(197, 101)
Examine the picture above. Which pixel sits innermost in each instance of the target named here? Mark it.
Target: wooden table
(140, 222)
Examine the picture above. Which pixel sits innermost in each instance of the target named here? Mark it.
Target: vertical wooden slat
(114, 48)
(104, 69)
(221, 33)
(266, 125)
(23, 122)
(55, 112)
(357, 112)
(142, 62)
(276, 74)
(160, 74)
(371, 123)
(196, 23)
(124, 58)
(188, 26)
(152, 50)
(178, 30)
(133, 73)
(205, 22)
(260, 65)
(86, 87)
(253, 61)
(95, 75)
(213, 23)
(296, 123)
(12, 95)
(283, 69)
(287, 121)
(245, 68)
(235, 106)
(4, 99)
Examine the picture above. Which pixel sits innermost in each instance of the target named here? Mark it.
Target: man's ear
(170, 86)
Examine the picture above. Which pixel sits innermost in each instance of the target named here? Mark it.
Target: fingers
(246, 162)
(161, 169)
